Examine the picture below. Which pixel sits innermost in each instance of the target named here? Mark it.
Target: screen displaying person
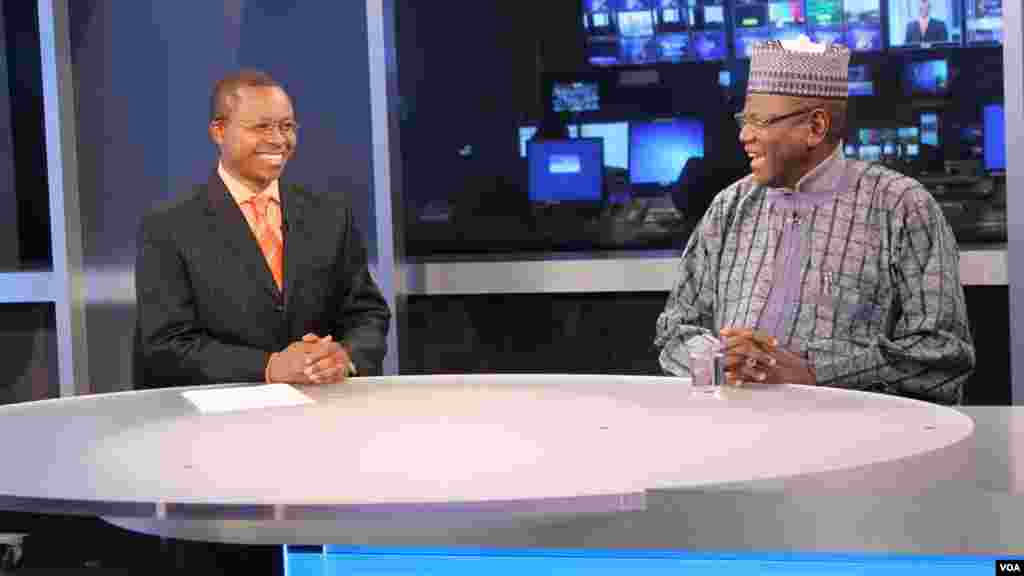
(926, 29)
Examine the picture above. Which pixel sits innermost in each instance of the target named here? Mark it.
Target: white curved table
(481, 459)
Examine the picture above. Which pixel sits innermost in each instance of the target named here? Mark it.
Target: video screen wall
(646, 31)
(638, 32)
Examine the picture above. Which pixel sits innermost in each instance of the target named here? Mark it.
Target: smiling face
(778, 153)
(246, 153)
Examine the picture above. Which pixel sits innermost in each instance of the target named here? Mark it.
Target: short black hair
(225, 91)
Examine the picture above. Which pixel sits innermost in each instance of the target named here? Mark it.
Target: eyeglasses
(762, 123)
(288, 128)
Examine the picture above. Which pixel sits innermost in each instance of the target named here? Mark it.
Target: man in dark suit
(926, 28)
(249, 279)
(216, 303)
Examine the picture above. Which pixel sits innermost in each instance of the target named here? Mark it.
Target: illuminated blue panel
(659, 149)
(455, 561)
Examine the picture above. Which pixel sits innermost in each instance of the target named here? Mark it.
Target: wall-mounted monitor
(862, 21)
(708, 30)
(825, 21)
(908, 139)
(888, 143)
(639, 32)
(565, 170)
(925, 23)
(930, 123)
(637, 21)
(576, 97)
(658, 150)
(861, 81)
(926, 77)
(759, 20)
(995, 138)
(869, 136)
(615, 139)
(871, 152)
(984, 21)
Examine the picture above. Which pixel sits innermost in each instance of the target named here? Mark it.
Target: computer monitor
(926, 77)
(615, 139)
(565, 170)
(941, 27)
(984, 20)
(995, 138)
(578, 96)
(658, 150)
(861, 83)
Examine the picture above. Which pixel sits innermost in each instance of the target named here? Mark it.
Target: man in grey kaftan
(818, 269)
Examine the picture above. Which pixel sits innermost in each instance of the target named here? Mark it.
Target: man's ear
(821, 123)
(216, 130)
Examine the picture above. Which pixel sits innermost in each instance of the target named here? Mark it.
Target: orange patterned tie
(265, 216)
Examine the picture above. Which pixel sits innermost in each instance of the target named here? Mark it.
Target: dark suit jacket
(208, 308)
(936, 32)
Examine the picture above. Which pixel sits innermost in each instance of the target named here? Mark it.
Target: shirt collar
(822, 181)
(240, 192)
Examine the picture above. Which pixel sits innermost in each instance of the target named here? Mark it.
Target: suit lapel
(228, 224)
(293, 209)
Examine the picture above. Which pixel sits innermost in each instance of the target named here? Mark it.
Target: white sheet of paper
(245, 398)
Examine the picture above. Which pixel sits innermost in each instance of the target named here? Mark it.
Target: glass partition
(657, 83)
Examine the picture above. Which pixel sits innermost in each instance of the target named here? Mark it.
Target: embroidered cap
(800, 68)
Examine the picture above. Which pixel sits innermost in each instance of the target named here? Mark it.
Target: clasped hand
(752, 356)
(312, 360)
